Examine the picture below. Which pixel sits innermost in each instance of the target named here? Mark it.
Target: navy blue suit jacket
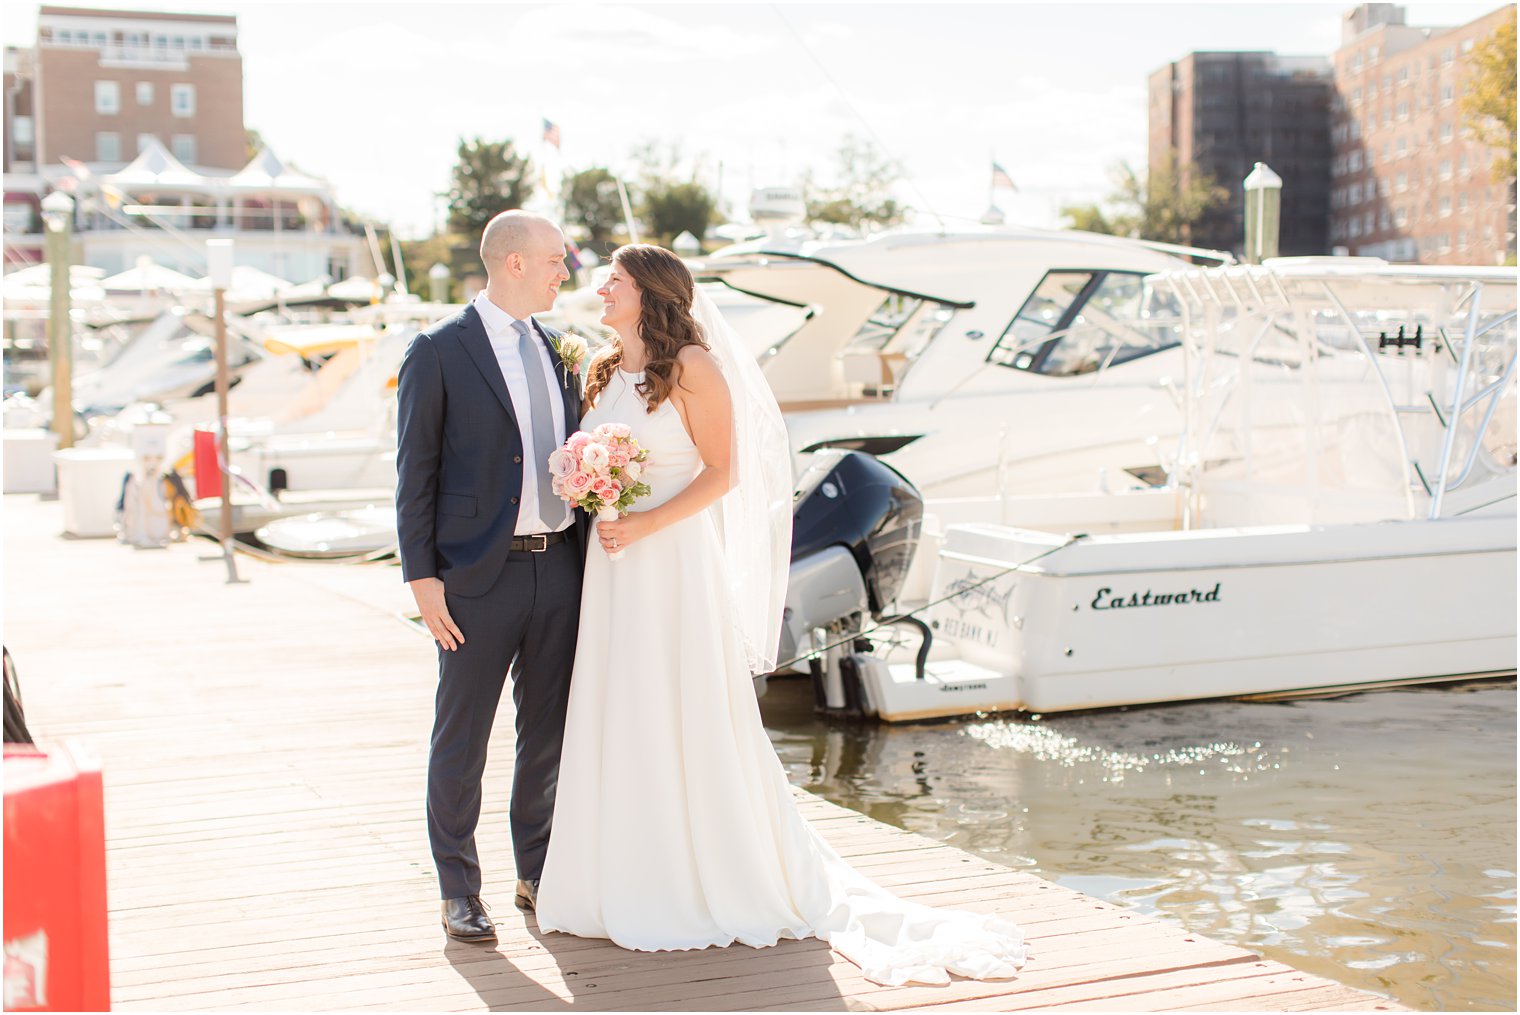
(459, 454)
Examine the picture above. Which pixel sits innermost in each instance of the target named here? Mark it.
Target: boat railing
(1322, 368)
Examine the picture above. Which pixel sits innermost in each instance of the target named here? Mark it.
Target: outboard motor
(855, 527)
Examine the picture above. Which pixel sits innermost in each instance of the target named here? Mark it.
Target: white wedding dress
(674, 824)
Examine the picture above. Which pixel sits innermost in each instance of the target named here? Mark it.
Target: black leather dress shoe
(465, 919)
(527, 895)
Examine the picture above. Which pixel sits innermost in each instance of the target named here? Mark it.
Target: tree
(1165, 205)
(1092, 218)
(673, 208)
(863, 195)
(490, 177)
(671, 201)
(253, 143)
(455, 253)
(592, 201)
(1489, 108)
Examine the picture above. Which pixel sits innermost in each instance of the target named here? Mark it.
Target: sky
(375, 96)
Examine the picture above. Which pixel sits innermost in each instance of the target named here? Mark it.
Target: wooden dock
(264, 750)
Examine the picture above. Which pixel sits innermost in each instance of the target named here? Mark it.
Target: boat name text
(1106, 600)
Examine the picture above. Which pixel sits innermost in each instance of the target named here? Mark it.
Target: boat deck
(264, 748)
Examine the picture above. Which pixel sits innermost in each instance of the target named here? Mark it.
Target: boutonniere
(572, 351)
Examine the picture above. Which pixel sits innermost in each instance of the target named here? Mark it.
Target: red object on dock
(55, 881)
(208, 475)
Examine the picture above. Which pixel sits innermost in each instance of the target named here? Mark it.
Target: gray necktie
(550, 508)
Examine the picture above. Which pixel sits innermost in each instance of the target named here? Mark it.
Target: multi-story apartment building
(1410, 182)
(139, 115)
(1220, 113)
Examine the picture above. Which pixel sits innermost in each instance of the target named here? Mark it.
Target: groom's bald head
(524, 255)
(515, 232)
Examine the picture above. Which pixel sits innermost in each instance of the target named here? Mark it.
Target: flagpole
(633, 230)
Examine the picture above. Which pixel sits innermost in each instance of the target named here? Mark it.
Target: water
(1369, 839)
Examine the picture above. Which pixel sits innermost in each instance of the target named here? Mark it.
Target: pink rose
(561, 464)
(619, 430)
(577, 484)
(578, 440)
(607, 489)
(618, 457)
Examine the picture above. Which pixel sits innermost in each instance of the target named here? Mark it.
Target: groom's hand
(435, 612)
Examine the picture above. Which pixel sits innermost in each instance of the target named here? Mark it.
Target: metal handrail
(1464, 364)
(1398, 428)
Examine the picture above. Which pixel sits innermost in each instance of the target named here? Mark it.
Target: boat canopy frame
(1295, 300)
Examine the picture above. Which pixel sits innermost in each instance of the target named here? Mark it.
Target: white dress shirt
(499, 329)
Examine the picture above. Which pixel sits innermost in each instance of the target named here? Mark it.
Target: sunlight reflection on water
(1369, 839)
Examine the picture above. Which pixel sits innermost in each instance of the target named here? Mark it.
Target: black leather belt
(539, 542)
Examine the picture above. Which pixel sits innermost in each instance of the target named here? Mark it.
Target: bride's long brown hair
(665, 323)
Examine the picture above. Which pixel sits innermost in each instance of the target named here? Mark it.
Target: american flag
(1000, 178)
(551, 133)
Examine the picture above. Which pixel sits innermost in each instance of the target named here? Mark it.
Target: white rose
(595, 456)
(572, 350)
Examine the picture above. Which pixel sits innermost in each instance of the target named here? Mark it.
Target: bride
(674, 825)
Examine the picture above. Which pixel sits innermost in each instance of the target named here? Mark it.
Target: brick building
(1370, 143)
(139, 115)
(1409, 181)
(106, 81)
(1224, 112)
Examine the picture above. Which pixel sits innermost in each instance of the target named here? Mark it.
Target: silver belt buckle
(543, 542)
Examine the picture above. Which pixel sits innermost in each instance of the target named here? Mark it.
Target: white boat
(1344, 504)
(328, 445)
(359, 534)
(995, 368)
(949, 355)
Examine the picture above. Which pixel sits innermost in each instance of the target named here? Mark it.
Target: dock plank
(264, 747)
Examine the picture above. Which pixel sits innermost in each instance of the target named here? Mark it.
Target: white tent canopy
(156, 168)
(248, 283)
(28, 292)
(148, 277)
(42, 274)
(269, 175)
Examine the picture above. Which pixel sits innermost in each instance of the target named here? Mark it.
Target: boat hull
(1130, 619)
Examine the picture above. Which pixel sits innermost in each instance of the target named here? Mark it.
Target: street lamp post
(438, 283)
(58, 221)
(1263, 212)
(219, 269)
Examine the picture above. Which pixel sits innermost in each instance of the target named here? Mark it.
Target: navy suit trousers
(524, 625)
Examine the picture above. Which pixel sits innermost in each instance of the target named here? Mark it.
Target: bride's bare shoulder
(700, 388)
(695, 355)
(699, 367)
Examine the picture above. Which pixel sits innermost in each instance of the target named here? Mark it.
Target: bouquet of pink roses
(599, 471)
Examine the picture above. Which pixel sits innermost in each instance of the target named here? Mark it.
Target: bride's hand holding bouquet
(599, 472)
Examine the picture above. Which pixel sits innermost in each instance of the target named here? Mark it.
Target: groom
(492, 556)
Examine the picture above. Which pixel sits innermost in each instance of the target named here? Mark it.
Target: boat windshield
(889, 341)
(901, 324)
(1078, 322)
